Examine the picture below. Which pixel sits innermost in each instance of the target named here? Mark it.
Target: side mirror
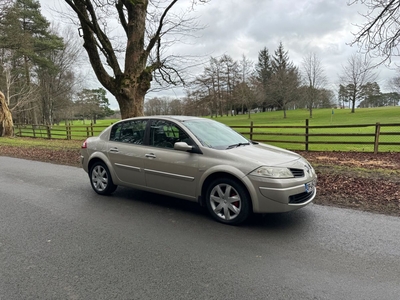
(182, 146)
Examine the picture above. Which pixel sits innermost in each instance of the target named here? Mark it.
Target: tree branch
(156, 36)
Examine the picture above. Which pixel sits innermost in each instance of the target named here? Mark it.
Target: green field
(289, 138)
(320, 117)
(323, 117)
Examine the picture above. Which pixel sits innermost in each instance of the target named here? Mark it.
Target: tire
(100, 179)
(228, 201)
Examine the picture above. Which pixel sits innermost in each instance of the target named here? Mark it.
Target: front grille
(301, 198)
(297, 172)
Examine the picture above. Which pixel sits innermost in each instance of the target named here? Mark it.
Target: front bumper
(282, 195)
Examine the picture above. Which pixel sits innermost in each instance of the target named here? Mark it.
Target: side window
(116, 132)
(164, 134)
(131, 132)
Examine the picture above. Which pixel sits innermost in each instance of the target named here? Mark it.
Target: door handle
(150, 155)
(114, 150)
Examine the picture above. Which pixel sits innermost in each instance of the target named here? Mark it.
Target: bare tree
(204, 93)
(230, 70)
(57, 85)
(379, 36)
(210, 86)
(314, 78)
(146, 25)
(245, 89)
(355, 75)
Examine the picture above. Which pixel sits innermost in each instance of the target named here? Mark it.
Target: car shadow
(275, 221)
(161, 201)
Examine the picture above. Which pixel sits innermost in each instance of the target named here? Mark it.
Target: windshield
(215, 135)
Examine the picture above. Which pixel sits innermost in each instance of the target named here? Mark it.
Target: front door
(167, 169)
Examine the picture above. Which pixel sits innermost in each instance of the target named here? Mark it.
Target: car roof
(183, 118)
(167, 117)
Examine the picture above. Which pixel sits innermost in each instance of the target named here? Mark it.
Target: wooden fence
(69, 132)
(371, 135)
(313, 134)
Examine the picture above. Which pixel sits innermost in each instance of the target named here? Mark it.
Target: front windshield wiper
(237, 145)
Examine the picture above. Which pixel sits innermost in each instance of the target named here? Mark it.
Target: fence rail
(373, 136)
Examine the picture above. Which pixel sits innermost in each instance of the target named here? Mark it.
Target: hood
(266, 155)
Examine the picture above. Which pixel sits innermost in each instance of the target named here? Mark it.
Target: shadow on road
(149, 202)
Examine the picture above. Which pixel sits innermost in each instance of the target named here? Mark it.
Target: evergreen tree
(280, 60)
(26, 39)
(264, 73)
(370, 95)
(93, 104)
(285, 80)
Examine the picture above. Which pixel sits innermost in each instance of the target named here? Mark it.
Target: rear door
(126, 151)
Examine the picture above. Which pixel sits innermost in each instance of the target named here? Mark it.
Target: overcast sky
(237, 27)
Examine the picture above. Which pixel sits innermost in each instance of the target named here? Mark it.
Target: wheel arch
(243, 181)
(100, 157)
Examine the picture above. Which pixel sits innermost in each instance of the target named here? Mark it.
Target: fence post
(48, 131)
(68, 130)
(306, 135)
(87, 131)
(33, 131)
(251, 130)
(377, 132)
(91, 128)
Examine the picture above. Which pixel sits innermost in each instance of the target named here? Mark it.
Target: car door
(166, 169)
(126, 151)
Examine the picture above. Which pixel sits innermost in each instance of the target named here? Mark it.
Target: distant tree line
(228, 87)
(369, 95)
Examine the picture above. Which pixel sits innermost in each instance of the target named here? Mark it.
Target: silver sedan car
(199, 160)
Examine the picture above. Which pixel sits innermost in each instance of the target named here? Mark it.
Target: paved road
(59, 240)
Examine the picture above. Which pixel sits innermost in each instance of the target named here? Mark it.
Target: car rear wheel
(101, 180)
(228, 201)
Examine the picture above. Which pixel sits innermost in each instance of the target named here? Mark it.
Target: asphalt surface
(60, 240)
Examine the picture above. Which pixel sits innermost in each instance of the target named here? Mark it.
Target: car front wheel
(227, 201)
(101, 180)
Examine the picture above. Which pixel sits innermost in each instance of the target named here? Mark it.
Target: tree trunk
(353, 104)
(131, 102)
(6, 121)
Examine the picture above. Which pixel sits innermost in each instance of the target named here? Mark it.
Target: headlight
(272, 172)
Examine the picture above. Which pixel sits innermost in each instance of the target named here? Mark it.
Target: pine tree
(285, 80)
(264, 73)
(25, 36)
